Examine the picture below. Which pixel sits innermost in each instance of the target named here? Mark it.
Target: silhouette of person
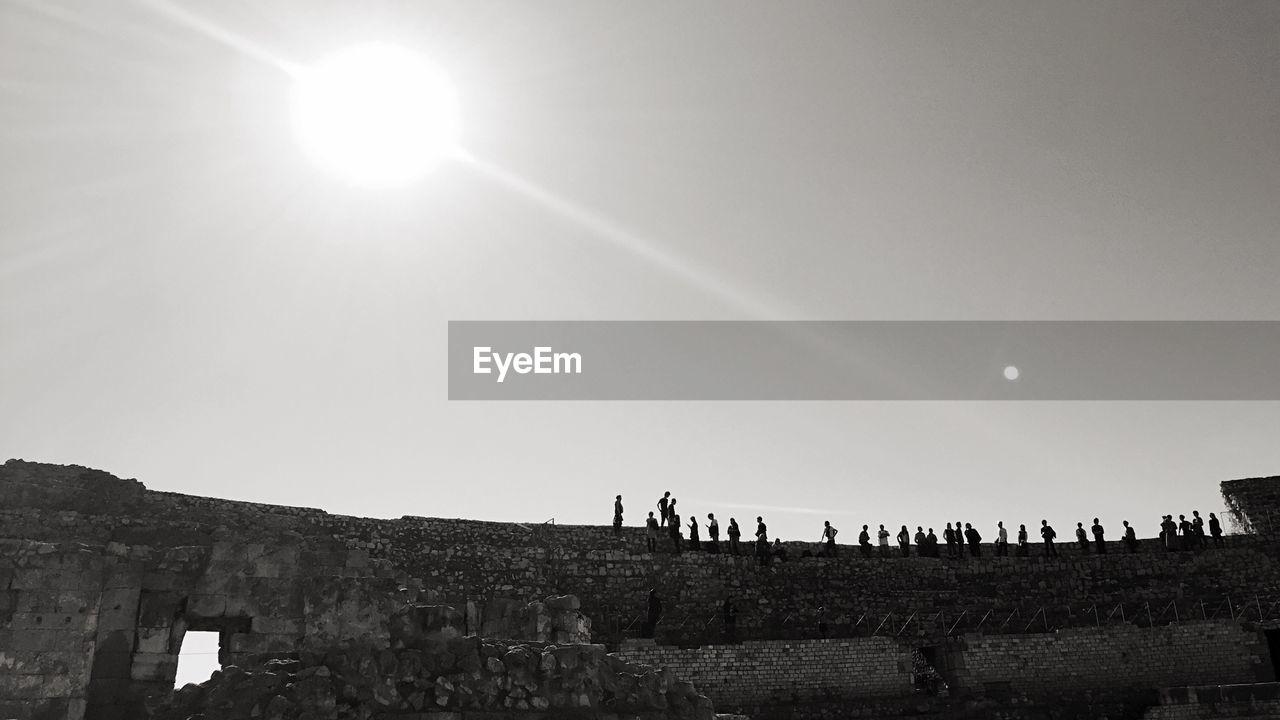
(904, 541)
(1184, 527)
(1169, 533)
(931, 543)
(1215, 529)
(762, 541)
(617, 515)
(1098, 542)
(673, 527)
(713, 533)
(1002, 539)
(1047, 532)
(864, 542)
(653, 612)
(694, 543)
(1130, 538)
(971, 534)
(779, 551)
(664, 508)
(949, 536)
(922, 548)
(651, 532)
(1197, 528)
(829, 534)
(822, 621)
(1024, 549)
(884, 541)
(734, 534)
(1082, 538)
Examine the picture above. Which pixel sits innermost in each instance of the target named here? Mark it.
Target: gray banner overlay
(857, 360)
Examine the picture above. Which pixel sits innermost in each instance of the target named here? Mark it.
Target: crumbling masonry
(100, 578)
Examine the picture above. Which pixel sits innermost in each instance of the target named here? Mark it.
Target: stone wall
(1252, 504)
(423, 663)
(1189, 653)
(1241, 702)
(127, 571)
(49, 619)
(762, 678)
(91, 631)
(769, 672)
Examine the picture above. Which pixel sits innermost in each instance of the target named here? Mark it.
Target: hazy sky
(186, 299)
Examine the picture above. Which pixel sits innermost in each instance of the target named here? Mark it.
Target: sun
(376, 115)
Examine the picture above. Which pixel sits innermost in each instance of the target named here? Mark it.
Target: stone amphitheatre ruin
(328, 616)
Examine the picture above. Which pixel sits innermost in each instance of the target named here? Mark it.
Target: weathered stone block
(206, 606)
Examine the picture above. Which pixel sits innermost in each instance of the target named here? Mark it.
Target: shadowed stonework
(100, 578)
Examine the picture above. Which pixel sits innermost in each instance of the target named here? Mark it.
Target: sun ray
(610, 231)
(748, 307)
(213, 31)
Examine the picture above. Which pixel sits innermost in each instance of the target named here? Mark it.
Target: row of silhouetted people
(960, 539)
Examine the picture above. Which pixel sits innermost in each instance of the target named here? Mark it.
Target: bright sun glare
(376, 115)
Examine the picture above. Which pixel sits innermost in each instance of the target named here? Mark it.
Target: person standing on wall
(1169, 533)
(1197, 528)
(931, 544)
(651, 532)
(1002, 540)
(822, 621)
(617, 515)
(1130, 538)
(734, 534)
(713, 533)
(1024, 549)
(1047, 532)
(904, 541)
(1098, 542)
(673, 526)
(884, 541)
(1188, 538)
(864, 542)
(664, 509)
(762, 541)
(971, 534)
(922, 544)
(694, 543)
(1215, 529)
(829, 535)
(949, 536)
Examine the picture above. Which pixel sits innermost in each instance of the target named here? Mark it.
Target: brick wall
(759, 676)
(1188, 653)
